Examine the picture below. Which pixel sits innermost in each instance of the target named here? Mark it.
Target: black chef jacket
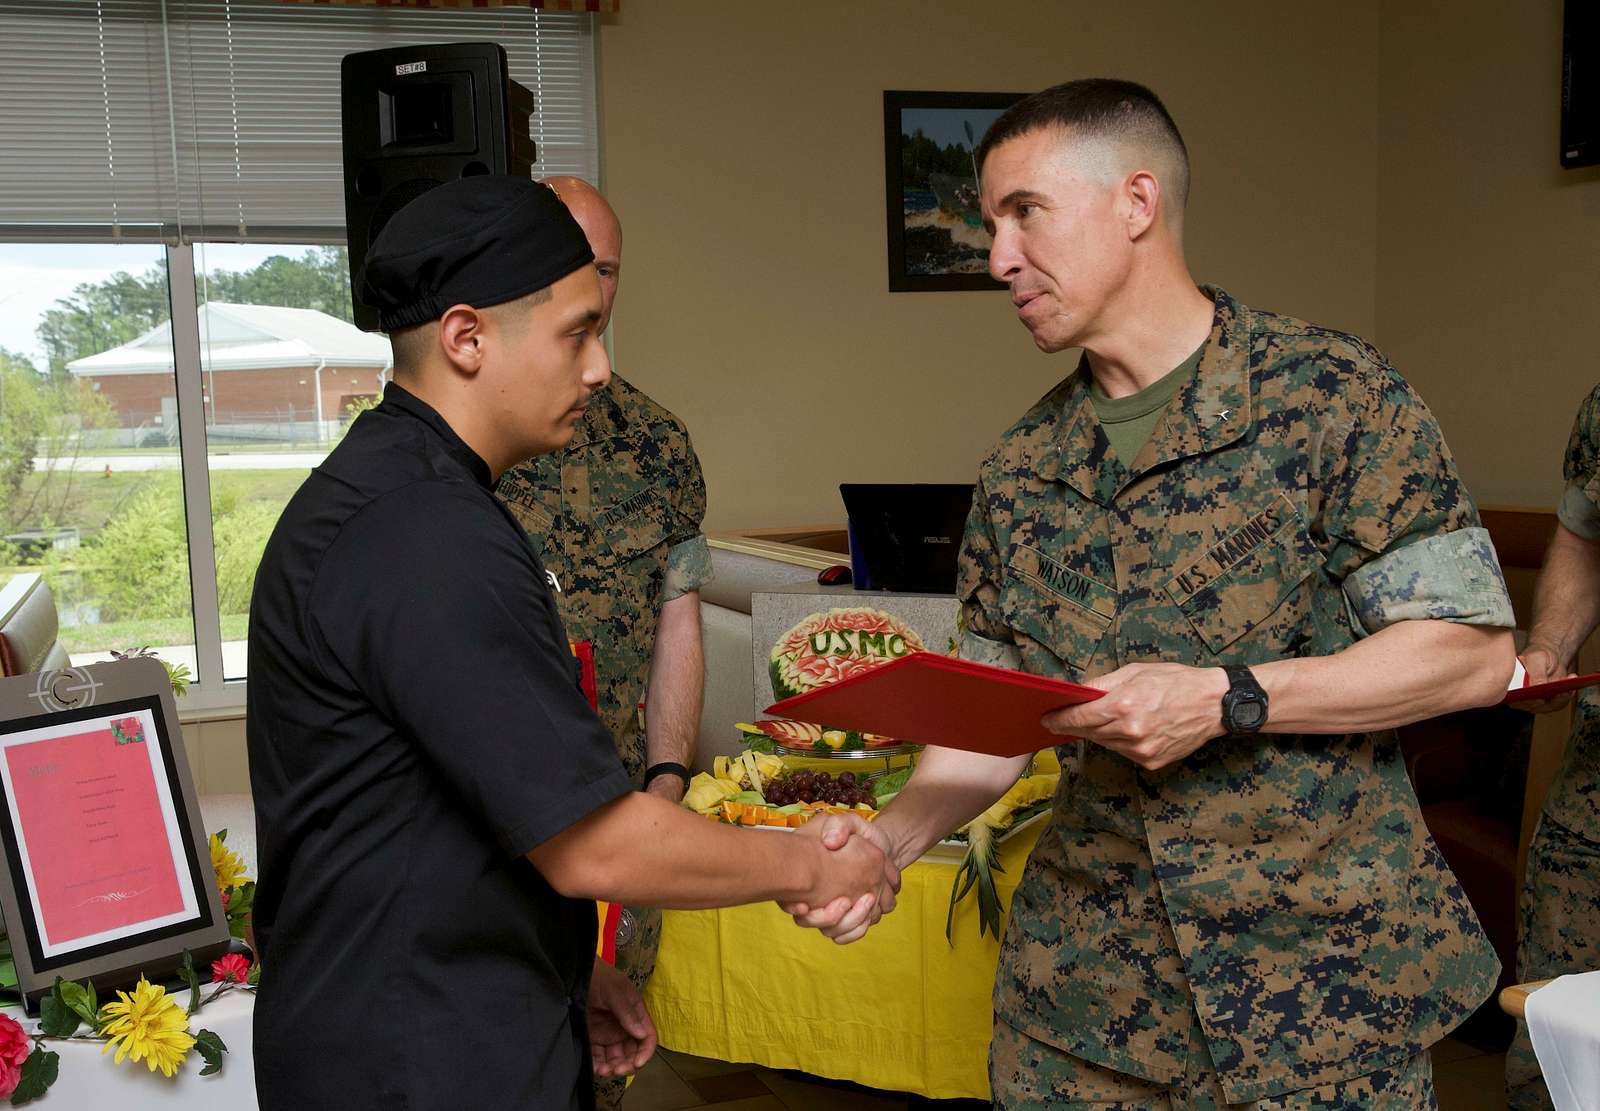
(414, 729)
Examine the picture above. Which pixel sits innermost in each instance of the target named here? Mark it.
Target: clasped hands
(622, 1036)
(859, 881)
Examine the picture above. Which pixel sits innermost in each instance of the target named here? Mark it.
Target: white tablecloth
(91, 1079)
(1564, 1025)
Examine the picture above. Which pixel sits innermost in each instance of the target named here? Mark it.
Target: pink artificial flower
(234, 967)
(15, 1045)
(224, 902)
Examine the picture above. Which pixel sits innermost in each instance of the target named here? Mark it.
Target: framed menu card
(107, 868)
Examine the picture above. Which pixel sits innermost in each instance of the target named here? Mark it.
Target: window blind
(86, 127)
(223, 117)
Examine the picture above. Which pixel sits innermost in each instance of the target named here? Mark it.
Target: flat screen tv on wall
(1580, 84)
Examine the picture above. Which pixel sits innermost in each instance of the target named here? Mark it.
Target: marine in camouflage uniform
(1222, 912)
(615, 519)
(1561, 892)
(1268, 915)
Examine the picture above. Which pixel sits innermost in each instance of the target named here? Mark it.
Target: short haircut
(1102, 108)
(410, 345)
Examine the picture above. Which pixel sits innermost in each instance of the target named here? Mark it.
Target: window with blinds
(218, 120)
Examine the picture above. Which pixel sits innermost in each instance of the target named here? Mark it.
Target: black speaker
(419, 116)
(1580, 84)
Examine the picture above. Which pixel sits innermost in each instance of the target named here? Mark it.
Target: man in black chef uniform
(435, 801)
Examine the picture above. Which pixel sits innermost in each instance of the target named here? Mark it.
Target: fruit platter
(759, 789)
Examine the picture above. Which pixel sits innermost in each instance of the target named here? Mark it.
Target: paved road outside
(220, 461)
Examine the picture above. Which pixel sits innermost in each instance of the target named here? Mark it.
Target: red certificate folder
(930, 699)
(1550, 689)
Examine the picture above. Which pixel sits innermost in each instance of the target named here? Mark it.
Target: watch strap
(666, 767)
(1241, 676)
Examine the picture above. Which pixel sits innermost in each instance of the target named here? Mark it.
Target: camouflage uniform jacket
(1574, 798)
(615, 518)
(1295, 496)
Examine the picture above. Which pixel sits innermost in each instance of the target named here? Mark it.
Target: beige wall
(217, 756)
(1488, 251)
(744, 151)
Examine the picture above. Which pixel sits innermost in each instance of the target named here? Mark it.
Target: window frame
(210, 690)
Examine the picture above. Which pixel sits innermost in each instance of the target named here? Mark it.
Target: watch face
(1248, 713)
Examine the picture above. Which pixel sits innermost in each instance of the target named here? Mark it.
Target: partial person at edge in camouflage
(1561, 892)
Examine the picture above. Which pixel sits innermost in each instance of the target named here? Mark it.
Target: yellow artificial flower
(227, 864)
(150, 1026)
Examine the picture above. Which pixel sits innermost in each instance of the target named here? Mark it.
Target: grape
(805, 786)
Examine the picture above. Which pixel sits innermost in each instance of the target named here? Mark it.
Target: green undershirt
(1129, 421)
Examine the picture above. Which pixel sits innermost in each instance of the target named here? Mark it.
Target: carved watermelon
(827, 647)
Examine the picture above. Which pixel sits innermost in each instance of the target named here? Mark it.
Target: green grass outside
(93, 498)
(119, 636)
(242, 448)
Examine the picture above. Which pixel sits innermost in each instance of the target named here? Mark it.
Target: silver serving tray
(826, 753)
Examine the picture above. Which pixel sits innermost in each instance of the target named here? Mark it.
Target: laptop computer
(906, 536)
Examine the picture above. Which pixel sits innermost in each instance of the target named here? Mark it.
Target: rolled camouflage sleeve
(689, 557)
(1406, 541)
(1579, 509)
(985, 636)
(1454, 576)
(688, 568)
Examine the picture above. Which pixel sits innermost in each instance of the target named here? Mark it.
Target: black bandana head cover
(475, 241)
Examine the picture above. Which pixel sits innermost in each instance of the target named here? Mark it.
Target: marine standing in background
(1246, 530)
(615, 518)
(1561, 894)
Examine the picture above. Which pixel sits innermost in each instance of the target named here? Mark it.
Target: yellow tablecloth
(900, 1010)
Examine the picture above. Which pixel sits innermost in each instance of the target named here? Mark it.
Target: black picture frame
(136, 691)
(933, 244)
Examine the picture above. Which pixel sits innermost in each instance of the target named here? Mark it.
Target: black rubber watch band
(666, 767)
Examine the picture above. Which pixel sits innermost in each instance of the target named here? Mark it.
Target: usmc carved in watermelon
(826, 647)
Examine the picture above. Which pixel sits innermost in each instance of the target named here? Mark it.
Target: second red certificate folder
(929, 699)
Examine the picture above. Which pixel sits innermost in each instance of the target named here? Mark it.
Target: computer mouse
(837, 575)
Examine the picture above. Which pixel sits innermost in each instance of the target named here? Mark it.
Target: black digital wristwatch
(1244, 707)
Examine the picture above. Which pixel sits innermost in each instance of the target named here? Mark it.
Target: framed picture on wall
(930, 144)
(107, 873)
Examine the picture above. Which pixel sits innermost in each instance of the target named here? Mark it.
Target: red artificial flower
(234, 967)
(15, 1045)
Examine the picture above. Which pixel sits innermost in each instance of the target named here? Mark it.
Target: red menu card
(1537, 691)
(95, 831)
(930, 699)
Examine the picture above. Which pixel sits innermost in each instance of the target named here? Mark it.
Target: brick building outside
(269, 374)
